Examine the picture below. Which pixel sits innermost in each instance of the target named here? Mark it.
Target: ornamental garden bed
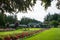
(6, 29)
(20, 35)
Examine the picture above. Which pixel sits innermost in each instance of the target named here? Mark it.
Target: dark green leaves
(13, 5)
(58, 4)
(46, 3)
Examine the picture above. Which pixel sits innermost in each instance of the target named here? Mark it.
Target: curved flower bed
(21, 35)
(6, 29)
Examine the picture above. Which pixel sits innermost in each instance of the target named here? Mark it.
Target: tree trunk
(3, 17)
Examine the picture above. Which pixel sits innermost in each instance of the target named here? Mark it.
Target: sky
(39, 12)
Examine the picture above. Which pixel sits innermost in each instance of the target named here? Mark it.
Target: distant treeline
(52, 20)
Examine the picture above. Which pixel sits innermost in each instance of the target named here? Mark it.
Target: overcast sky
(38, 11)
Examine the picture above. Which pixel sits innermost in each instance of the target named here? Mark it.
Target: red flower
(7, 38)
(22, 35)
(14, 38)
(26, 34)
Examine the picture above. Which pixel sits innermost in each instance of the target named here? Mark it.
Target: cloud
(38, 11)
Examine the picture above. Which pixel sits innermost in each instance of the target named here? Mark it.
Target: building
(34, 25)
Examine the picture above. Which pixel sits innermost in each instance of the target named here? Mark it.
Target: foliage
(47, 3)
(22, 5)
(7, 19)
(2, 22)
(16, 6)
(52, 19)
(26, 20)
(54, 23)
(10, 19)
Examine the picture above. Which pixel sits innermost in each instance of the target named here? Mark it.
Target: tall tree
(22, 5)
(2, 23)
(14, 6)
(10, 19)
(53, 19)
(54, 23)
(26, 20)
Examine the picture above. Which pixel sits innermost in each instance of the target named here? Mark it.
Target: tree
(47, 3)
(22, 5)
(52, 19)
(2, 23)
(14, 6)
(54, 23)
(26, 20)
(10, 19)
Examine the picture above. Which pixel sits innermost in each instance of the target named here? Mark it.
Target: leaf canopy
(16, 5)
(47, 3)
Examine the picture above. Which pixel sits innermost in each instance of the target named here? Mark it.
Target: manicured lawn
(51, 34)
(17, 31)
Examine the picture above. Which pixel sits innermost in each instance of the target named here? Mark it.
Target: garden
(29, 19)
(20, 33)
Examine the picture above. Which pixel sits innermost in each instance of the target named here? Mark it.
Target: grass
(51, 34)
(17, 31)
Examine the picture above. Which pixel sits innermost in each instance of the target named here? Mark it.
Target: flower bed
(6, 29)
(21, 35)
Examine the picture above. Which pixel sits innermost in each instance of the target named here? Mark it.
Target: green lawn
(17, 31)
(51, 34)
